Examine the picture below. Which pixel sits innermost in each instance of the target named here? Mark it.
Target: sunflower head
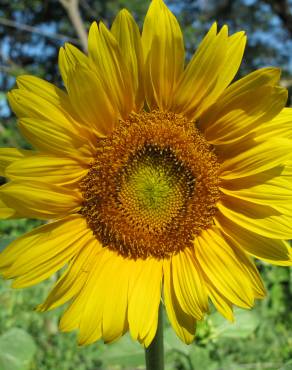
(152, 187)
(159, 179)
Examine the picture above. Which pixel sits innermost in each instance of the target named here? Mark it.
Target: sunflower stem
(154, 354)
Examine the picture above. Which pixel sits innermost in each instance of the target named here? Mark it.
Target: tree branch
(31, 29)
(72, 9)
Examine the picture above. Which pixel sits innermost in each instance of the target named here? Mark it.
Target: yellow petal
(27, 104)
(90, 101)
(10, 155)
(104, 51)
(259, 79)
(69, 56)
(103, 300)
(279, 126)
(71, 317)
(74, 278)
(224, 270)
(188, 284)
(233, 57)
(201, 74)
(221, 303)
(228, 120)
(275, 251)
(145, 297)
(40, 200)
(263, 220)
(259, 158)
(269, 176)
(164, 55)
(269, 76)
(249, 267)
(38, 254)
(115, 307)
(183, 324)
(91, 299)
(55, 138)
(127, 34)
(52, 170)
(277, 191)
(286, 170)
(45, 90)
(251, 272)
(59, 100)
(7, 212)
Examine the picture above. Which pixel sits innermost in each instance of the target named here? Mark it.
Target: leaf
(287, 366)
(176, 349)
(200, 358)
(17, 349)
(245, 324)
(125, 352)
(278, 275)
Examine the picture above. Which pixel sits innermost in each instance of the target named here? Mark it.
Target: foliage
(17, 349)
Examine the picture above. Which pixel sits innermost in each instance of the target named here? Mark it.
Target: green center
(152, 188)
(155, 187)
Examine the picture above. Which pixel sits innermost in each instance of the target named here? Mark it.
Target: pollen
(152, 187)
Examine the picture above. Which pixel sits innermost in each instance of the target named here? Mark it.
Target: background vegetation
(31, 32)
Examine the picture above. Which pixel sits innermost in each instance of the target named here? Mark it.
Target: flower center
(153, 186)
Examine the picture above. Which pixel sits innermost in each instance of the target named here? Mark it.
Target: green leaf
(287, 366)
(175, 349)
(17, 349)
(278, 275)
(245, 324)
(125, 352)
(200, 358)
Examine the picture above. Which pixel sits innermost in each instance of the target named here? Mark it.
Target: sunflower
(159, 181)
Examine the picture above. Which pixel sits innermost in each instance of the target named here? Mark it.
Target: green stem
(154, 354)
